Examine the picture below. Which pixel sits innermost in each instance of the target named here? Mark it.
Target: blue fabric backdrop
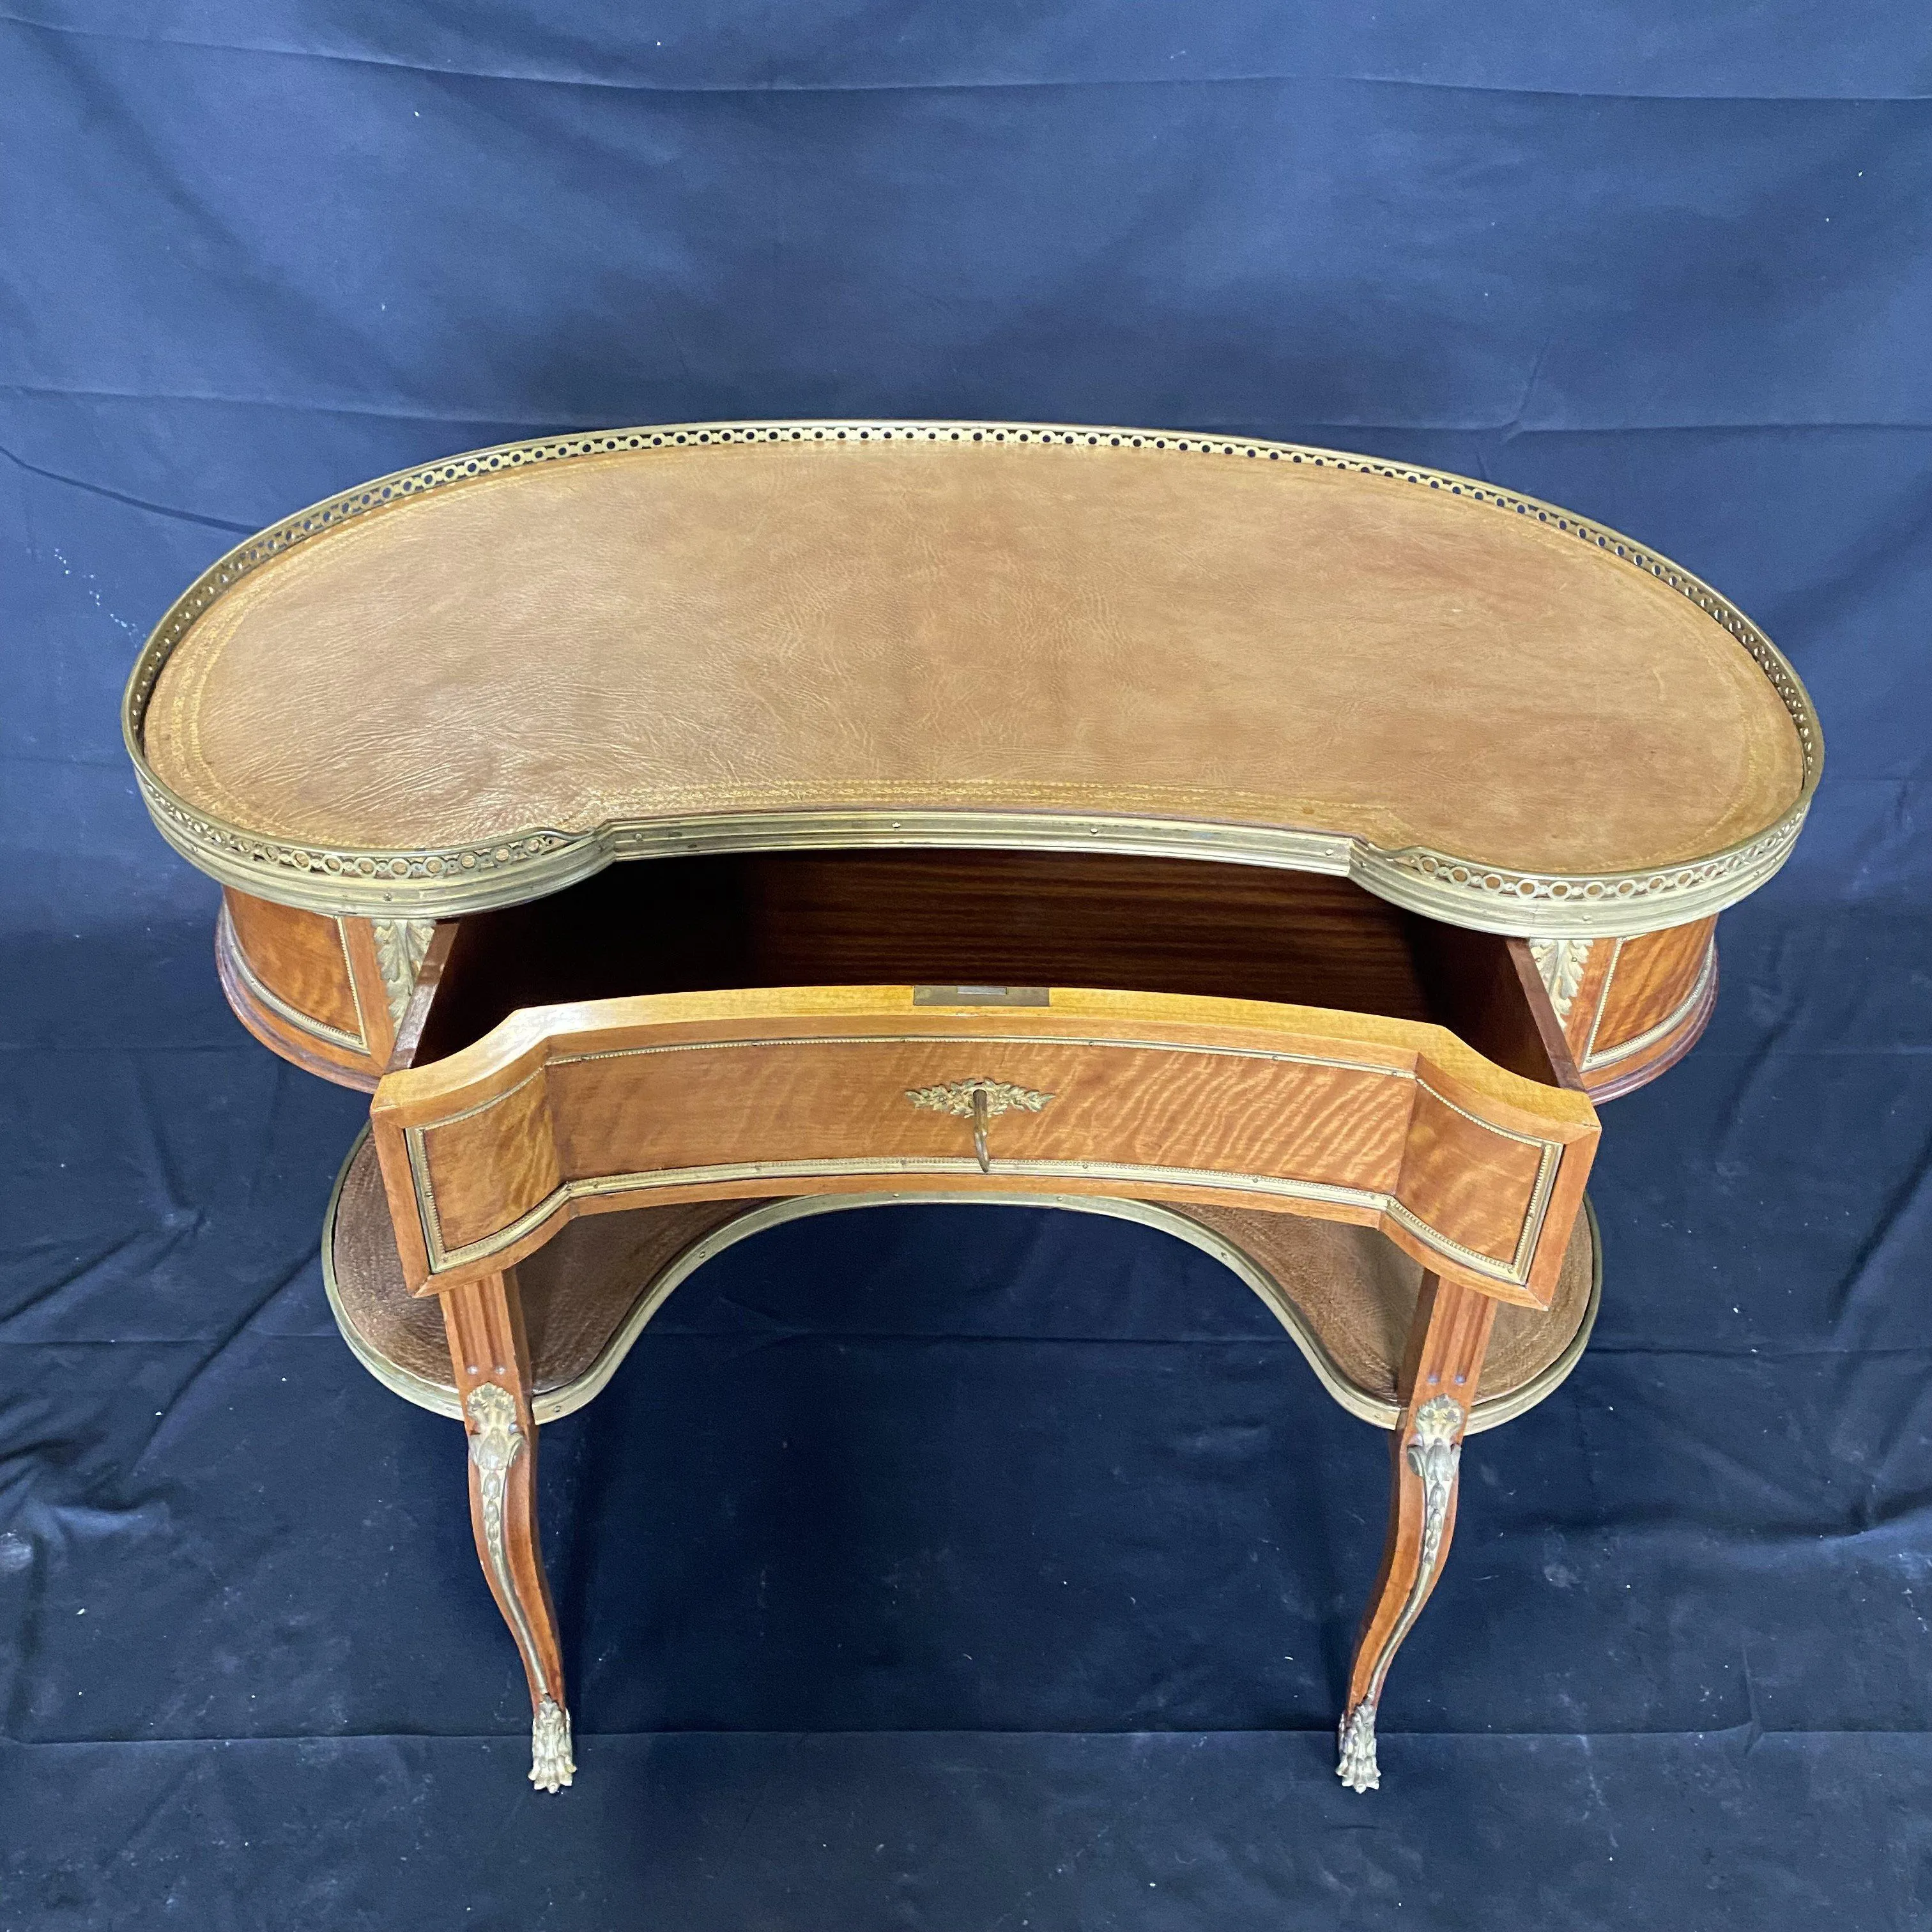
(920, 1570)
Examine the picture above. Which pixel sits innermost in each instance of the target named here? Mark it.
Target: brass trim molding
(551, 1406)
(228, 942)
(1562, 963)
(401, 945)
(1593, 1062)
(527, 862)
(727, 1174)
(1279, 1054)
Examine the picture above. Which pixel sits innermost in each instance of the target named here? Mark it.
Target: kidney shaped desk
(1282, 848)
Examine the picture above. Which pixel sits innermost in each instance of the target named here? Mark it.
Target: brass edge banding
(1603, 986)
(509, 1093)
(1593, 1062)
(349, 967)
(529, 862)
(657, 1181)
(439, 1399)
(1549, 1153)
(230, 941)
(428, 1219)
(1280, 1056)
(552, 1405)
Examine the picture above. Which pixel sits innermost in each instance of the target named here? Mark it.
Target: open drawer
(811, 1023)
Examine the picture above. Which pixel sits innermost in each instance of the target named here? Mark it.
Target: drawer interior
(985, 920)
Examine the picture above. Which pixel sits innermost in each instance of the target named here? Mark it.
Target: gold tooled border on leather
(531, 862)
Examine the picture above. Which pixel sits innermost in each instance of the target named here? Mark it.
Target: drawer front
(1341, 1129)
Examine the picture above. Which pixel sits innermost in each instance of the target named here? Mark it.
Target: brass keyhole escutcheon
(979, 1100)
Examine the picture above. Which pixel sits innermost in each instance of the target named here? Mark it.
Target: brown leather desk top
(472, 683)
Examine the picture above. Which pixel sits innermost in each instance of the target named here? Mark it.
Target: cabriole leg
(1445, 1358)
(485, 1325)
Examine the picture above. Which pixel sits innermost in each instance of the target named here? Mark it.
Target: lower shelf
(1346, 1294)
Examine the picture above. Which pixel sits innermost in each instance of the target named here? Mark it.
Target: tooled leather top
(1238, 636)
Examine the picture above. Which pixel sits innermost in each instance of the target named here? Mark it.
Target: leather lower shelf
(1346, 1293)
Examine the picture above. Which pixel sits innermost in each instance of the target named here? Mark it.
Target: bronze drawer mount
(980, 1099)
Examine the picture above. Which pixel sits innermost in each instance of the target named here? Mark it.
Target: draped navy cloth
(960, 1568)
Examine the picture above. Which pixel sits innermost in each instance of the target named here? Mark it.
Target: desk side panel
(1631, 1008)
(291, 978)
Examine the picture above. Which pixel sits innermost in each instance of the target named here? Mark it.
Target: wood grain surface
(1658, 996)
(301, 956)
(288, 978)
(997, 918)
(1447, 1339)
(484, 1322)
(991, 918)
(575, 1109)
